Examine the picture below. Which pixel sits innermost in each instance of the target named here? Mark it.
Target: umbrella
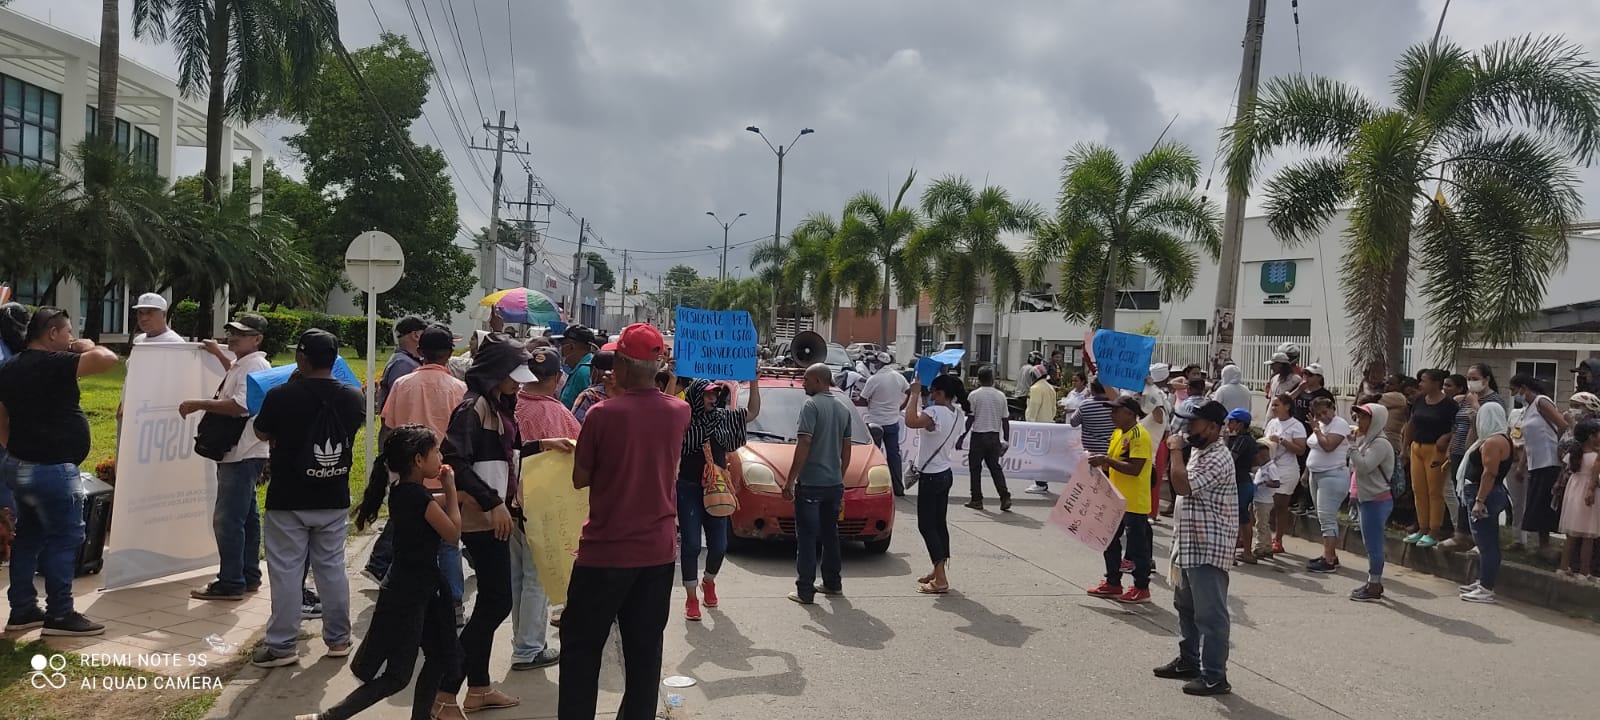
(524, 306)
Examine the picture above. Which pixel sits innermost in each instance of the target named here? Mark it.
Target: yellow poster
(555, 514)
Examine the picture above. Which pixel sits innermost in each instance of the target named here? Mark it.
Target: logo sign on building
(715, 344)
(1277, 280)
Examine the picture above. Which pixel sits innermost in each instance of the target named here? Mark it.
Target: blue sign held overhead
(1123, 358)
(929, 367)
(258, 383)
(715, 344)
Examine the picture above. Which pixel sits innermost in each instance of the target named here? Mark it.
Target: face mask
(1517, 402)
(1475, 386)
(1574, 416)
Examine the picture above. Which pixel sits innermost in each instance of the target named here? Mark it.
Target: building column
(74, 104)
(227, 158)
(257, 177)
(168, 140)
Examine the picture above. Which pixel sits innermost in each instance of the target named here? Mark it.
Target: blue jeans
(1374, 515)
(49, 532)
(530, 607)
(236, 523)
(450, 565)
(816, 520)
(1485, 531)
(1329, 488)
(891, 452)
(692, 519)
(1202, 603)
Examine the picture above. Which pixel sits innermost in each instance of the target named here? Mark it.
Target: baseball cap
(577, 334)
(609, 347)
(1241, 414)
(604, 361)
(641, 341)
(319, 346)
(435, 338)
(1159, 372)
(247, 324)
(1312, 369)
(1131, 404)
(1212, 411)
(410, 324)
(544, 363)
(1278, 357)
(151, 301)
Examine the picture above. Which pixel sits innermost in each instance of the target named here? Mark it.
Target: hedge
(284, 327)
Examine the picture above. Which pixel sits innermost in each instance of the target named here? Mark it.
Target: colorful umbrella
(524, 306)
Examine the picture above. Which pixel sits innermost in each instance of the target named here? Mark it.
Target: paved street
(1018, 639)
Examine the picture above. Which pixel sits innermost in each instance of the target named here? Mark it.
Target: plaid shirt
(1208, 517)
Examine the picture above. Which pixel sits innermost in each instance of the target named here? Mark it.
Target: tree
(870, 238)
(679, 276)
(250, 57)
(749, 294)
(35, 217)
(110, 70)
(373, 181)
(509, 237)
(958, 249)
(600, 272)
(1471, 166)
(308, 213)
(812, 258)
(264, 257)
(118, 229)
(1112, 219)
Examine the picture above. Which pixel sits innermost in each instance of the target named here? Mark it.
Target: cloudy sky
(635, 111)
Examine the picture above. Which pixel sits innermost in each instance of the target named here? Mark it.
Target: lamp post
(722, 275)
(777, 216)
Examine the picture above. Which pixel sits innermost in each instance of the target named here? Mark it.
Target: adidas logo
(328, 453)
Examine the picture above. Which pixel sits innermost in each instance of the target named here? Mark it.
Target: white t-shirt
(1323, 460)
(169, 336)
(933, 451)
(1152, 398)
(1286, 468)
(235, 386)
(1264, 493)
(884, 392)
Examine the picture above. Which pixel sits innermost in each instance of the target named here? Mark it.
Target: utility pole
(575, 313)
(1225, 317)
(777, 217)
(530, 232)
(622, 295)
(486, 253)
(722, 274)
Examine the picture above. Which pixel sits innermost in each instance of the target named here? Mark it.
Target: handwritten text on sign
(1123, 358)
(715, 344)
(1090, 509)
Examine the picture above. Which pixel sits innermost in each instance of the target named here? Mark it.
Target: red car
(867, 514)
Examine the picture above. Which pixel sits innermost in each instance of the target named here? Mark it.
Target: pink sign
(1090, 509)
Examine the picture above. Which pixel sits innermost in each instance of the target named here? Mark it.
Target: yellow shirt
(1041, 403)
(1134, 443)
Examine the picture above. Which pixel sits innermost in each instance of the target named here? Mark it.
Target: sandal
(439, 706)
(928, 588)
(925, 579)
(503, 701)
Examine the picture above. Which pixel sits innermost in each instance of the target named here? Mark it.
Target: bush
(284, 327)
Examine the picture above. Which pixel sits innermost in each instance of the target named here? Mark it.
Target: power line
(461, 48)
(483, 49)
(511, 42)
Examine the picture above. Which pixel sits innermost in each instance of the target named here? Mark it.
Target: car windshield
(780, 415)
(838, 356)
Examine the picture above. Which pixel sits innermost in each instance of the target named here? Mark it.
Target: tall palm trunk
(1394, 323)
(1108, 292)
(883, 313)
(216, 126)
(93, 284)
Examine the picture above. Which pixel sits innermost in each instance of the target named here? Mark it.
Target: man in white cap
(151, 314)
(1157, 405)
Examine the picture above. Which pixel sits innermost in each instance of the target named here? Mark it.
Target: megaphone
(807, 348)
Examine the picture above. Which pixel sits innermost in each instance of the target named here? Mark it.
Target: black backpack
(328, 453)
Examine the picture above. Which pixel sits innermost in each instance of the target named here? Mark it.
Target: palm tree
(35, 212)
(749, 294)
(1112, 219)
(958, 249)
(251, 57)
(1473, 162)
(119, 227)
(870, 238)
(110, 70)
(809, 265)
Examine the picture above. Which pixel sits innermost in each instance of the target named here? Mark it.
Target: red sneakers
(1277, 546)
(1127, 566)
(691, 607)
(1106, 590)
(709, 590)
(1134, 596)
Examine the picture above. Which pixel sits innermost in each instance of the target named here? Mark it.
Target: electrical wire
(511, 42)
(449, 14)
(483, 49)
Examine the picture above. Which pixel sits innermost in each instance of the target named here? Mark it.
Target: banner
(1043, 452)
(1123, 359)
(165, 494)
(555, 513)
(1090, 508)
(715, 344)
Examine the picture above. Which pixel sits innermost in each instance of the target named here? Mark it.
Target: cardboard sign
(555, 514)
(715, 344)
(929, 367)
(1090, 509)
(1123, 358)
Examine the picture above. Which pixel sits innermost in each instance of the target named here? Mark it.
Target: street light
(777, 216)
(722, 275)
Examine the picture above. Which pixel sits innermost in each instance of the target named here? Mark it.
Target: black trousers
(637, 600)
(933, 506)
(983, 448)
(401, 624)
(491, 562)
(1141, 538)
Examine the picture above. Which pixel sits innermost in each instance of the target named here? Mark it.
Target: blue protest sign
(715, 344)
(1123, 358)
(258, 383)
(929, 367)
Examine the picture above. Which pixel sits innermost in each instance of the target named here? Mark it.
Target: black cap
(319, 346)
(577, 334)
(410, 324)
(1131, 404)
(247, 324)
(545, 363)
(436, 338)
(1212, 411)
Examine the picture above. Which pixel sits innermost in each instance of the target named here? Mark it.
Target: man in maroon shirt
(628, 454)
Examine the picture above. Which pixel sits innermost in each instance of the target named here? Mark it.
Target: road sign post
(374, 263)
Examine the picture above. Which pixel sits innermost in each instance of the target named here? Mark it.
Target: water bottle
(674, 708)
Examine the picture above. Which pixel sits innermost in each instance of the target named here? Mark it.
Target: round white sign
(374, 262)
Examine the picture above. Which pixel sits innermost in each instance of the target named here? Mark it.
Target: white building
(49, 82)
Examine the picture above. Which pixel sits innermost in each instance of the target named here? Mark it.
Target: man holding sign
(1127, 464)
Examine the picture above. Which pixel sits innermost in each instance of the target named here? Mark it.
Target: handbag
(218, 434)
(720, 501)
(914, 475)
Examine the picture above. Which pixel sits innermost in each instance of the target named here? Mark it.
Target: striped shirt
(1094, 416)
(1463, 426)
(1208, 519)
(988, 410)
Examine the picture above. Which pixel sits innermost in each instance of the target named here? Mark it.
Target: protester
(150, 314)
(46, 436)
(1202, 549)
(576, 345)
(1371, 464)
(1231, 392)
(816, 486)
(604, 384)
(1283, 380)
(1055, 367)
(1483, 476)
(940, 422)
(1127, 465)
(1586, 376)
(627, 453)
(1157, 406)
(461, 363)
(13, 339)
(1480, 388)
(414, 608)
(236, 519)
(1373, 381)
(1580, 517)
(883, 396)
(311, 423)
(406, 358)
(988, 438)
(1542, 423)
(1031, 372)
(1244, 449)
(1290, 441)
(1094, 417)
(1427, 435)
(1328, 462)
(714, 431)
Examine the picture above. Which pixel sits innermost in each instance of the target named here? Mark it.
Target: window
(1193, 328)
(30, 124)
(115, 320)
(1292, 328)
(1544, 370)
(1138, 300)
(32, 291)
(144, 147)
(985, 348)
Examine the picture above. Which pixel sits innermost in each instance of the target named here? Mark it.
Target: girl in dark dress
(415, 610)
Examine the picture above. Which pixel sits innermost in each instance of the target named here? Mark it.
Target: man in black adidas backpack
(311, 423)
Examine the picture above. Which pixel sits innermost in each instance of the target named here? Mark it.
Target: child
(415, 609)
(1266, 489)
(1580, 516)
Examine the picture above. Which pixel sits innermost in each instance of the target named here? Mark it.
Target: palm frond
(1307, 112)
(1517, 253)
(1181, 211)
(1304, 196)
(1082, 278)
(1538, 172)
(1167, 165)
(1450, 278)
(1547, 84)
(1445, 65)
(1169, 258)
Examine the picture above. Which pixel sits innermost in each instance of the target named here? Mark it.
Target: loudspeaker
(808, 348)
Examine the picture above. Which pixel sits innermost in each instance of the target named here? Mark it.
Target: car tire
(879, 547)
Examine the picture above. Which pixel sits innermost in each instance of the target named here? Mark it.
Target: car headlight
(879, 480)
(757, 476)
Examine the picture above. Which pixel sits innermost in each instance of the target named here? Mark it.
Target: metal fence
(1251, 353)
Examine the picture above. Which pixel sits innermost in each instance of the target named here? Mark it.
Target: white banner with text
(1044, 452)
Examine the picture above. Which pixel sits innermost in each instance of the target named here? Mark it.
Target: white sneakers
(1479, 594)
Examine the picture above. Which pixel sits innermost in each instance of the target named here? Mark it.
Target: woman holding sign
(940, 423)
(714, 431)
